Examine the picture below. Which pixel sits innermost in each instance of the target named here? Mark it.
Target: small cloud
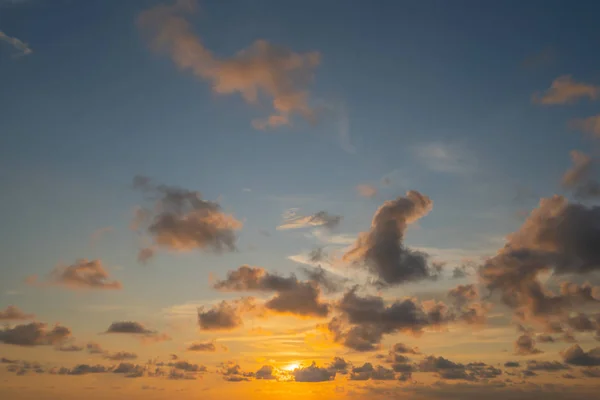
(443, 157)
(542, 58)
(120, 356)
(564, 90)
(589, 125)
(83, 274)
(203, 346)
(145, 254)
(13, 313)
(366, 190)
(321, 218)
(21, 48)
(525, 345)
(135, 328)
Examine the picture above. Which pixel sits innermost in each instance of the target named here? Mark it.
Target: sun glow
(291, 367)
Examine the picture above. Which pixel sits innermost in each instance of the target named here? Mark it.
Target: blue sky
(92, 107)
(434, 95)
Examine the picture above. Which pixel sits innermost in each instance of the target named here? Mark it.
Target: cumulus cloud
(232, 372)
(331, 283)
(94, 348)
(312, 373)
(13, 313)
(366, 190)
(135, 328)
(292, 296)
(525, 345)
(321, 218)
(339, 365)
(575, 355)
(363, 321)
(181, 220)
(21, 48)
(260, 71)
(557, 237)
(382, 251)
(265, 372)
(549, 366)
(83, 274)
(225, 315)
(130, 370)
(564, 90)
(34, 334)
(69, 348)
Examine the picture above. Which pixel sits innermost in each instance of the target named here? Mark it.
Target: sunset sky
(261, 199)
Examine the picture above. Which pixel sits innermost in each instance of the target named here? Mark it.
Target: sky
(317, 200)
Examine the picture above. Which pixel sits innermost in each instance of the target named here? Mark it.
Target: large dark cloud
(13, 313)
(292, 296)
(182, 220)
(382, 251)
(363, 321)
(83, 274)
(558, 237)
(34, 334)
(575, 355)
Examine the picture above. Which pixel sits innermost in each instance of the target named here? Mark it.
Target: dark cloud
(265, 372)
(13, 313)
(575, 355)
(83, 274)
(205, 346)
(534, 365)
(364, 320)
(525, 345)
(401, 348)
(368, 371)
(120, 356)
(182, 220)
(339, 365)
(232, 372)
(130, 370)
(187, 366)
(329, 282)
(558, 237)
(381, 249)
(545, 338)
(450, 370)
(312, 373)
(321, 218)
(137, 329)
(225, 315)
(83, 369)
(591, 372)
(512, 364)
(34, 334)
(292, 296)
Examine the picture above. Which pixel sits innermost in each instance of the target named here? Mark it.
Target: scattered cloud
(120, 356)
(181, 220)
(13, 313)
(564, 90)
(321, 218)
(34, 334)
(589, 125)
(203, 346)
(575, 355)
(381, 249)
(83, 274)
(225, 315)
(312, 373)
(135, 328)
(525, 345)
(366, 190)
(262, 70)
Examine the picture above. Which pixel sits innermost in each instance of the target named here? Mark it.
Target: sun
(291, 367)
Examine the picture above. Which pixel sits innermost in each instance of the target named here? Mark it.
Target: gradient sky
(484, 108)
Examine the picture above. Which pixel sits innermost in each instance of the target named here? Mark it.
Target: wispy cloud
(262, 69)
(21, 48)
(564, 90)
(444, 157)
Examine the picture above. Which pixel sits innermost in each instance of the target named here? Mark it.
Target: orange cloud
(260, 70)
(83, 274)
(564, 90)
